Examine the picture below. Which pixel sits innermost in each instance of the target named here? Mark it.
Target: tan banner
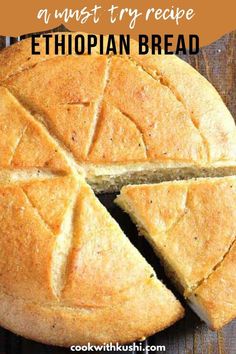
(208, 19)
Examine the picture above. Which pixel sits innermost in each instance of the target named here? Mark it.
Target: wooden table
(217, 63)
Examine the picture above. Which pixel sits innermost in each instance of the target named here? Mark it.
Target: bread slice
(125, 119)
(68, 273)
(191, 225)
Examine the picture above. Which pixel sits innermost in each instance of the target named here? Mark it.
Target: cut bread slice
(191, 225)
(68, 273)
(125, 119)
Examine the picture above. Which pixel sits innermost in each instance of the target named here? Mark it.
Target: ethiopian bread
(111, 118)
(194, 221)
(68, 274)
(124, 119)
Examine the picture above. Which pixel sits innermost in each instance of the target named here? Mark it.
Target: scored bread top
(24, 143)
(217, 293)
(123, 109)
(191, 223)
(68, 274)
(63, 256)
(32, 213)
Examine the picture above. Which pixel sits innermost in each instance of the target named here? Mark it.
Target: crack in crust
(212, 271)
(39, 119)
(30, 66)
(21, 70)
(70, 158)
(158, 77)
(17, 144)
(182, 215)
(37, 211)
(216, 266)
(137, 126)
(137, 219)
(100, 101)
(63, 248)
(78, 103)
(52, 305)
(63, 244)
(63, 305)
(155, 74)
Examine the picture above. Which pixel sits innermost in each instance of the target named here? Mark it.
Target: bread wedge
(125, 119)
(68, 273)
(191, 225)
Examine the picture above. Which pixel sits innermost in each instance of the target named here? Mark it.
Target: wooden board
(217, 63)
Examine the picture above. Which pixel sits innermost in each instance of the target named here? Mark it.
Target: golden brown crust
(217, 295)
(24, 143)
(113, 266)
(144, 312)
(18, 57)
(202, 102)
(67, 106)
(104, 272)
(51, 198)
(67, 273)
(155, 111)
(26, 247)
(191, 224)
(112, 125)
(178, 115)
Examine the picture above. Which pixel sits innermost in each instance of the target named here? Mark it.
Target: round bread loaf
(68, 274)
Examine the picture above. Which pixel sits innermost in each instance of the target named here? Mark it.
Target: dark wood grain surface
(217, 63)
